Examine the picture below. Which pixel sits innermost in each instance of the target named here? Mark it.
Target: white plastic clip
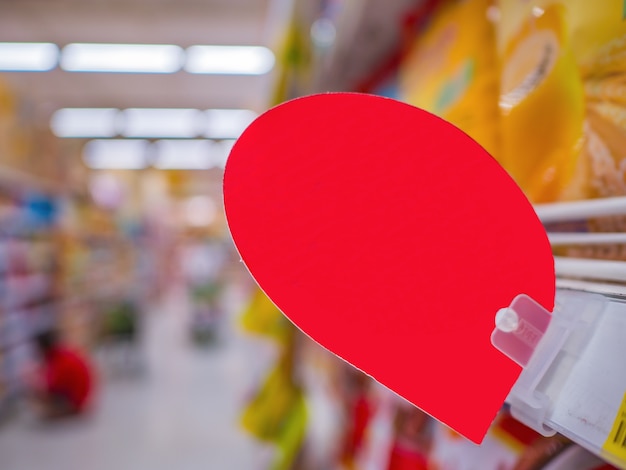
(537, 340)
(519, 328)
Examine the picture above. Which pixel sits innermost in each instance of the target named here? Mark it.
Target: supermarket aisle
(180, 415)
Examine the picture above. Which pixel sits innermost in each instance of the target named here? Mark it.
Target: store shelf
(19, 179)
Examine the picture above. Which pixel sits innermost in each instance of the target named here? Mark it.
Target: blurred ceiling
(367, 30)
(179, 22)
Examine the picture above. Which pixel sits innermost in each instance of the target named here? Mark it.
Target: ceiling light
(85, 122)
(122, 58)
(236, 60)
(119, 154)
(165, 122)
(28, 56)
(184, 155)
(227, 123)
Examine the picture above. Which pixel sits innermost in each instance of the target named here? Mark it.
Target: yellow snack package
(452, 71)
(563, 96)
(541, 100)
(599, 40)
(262, 317)
(268, 411)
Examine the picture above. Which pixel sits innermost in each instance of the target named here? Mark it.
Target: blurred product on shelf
(29, 288)
(65, 258)
(501, 448)
(358, 403)
(277, 411)
(541, 102)
(557, 124)
(562, 70)
(562, 80)
(451, 70)
(412, 439)
(261, 317)
(539, 84)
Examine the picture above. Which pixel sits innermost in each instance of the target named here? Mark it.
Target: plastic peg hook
(519, 328)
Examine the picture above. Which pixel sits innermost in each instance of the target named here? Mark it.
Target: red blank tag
(391, 238)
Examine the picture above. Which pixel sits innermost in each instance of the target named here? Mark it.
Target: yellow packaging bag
(562, 99)
(541, 101)
(292, 436)
(452, 71)
(262, 317)
(599, 41)
(268, 412)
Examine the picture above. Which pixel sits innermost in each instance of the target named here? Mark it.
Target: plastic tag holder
(534, 338)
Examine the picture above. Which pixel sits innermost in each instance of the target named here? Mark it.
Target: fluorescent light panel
(164, 122)
(184, 155)
(151, 122)
(28, 56)
(122, 58)
(85, 122)
(228, 123)
(137, 58)
(236, 60)
(116, 154)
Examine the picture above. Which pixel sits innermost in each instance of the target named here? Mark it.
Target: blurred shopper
(202, 263)
(63, 385)
(119, 334)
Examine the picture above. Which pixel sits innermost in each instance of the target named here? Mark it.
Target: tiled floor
(181, 414)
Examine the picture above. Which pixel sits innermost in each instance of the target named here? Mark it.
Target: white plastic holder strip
(564, 239)
(596, 269)
(530, 336)
(594, 287)
(580, 210)
(573, 379)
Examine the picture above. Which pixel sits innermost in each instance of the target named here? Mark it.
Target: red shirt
(68, 375)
